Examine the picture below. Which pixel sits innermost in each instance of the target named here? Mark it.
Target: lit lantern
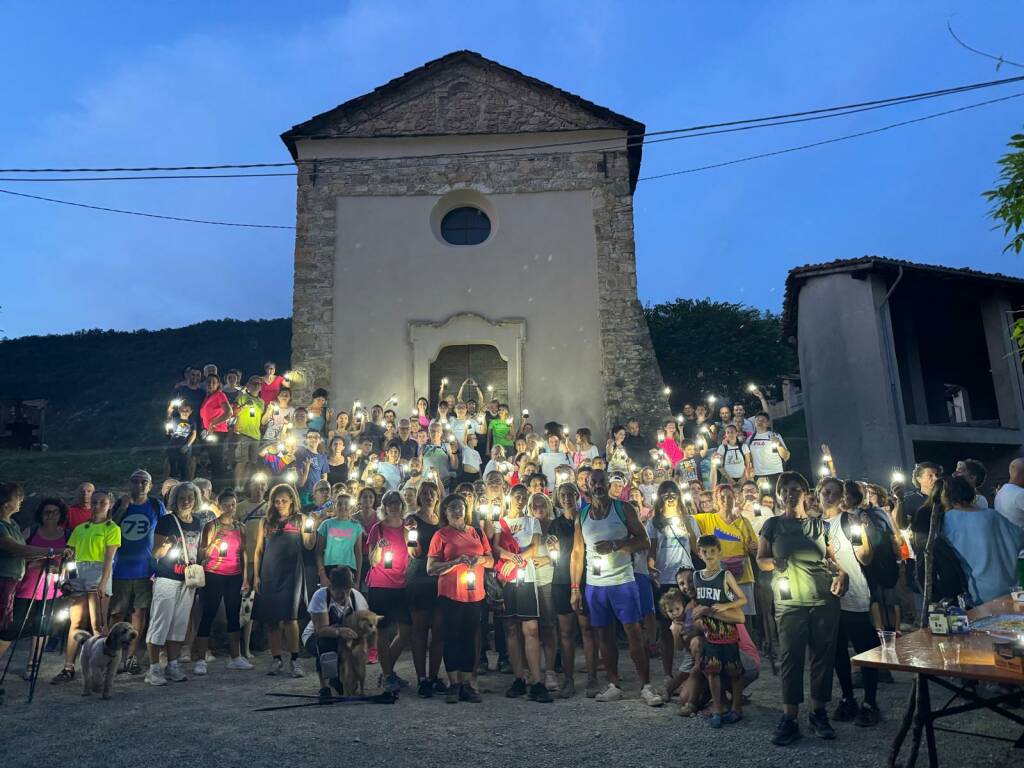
(307, 525)
(413, 537)
(679, 419)
(521, 575)
(565, 431)
(252, 411)
(898, 477)
(712, 399)
(526, 413)
(667, 391)
(176, 402)
(470, 580)
(175, 552)
(785, 593)
(554, 554)
(169, 426)
(751, 387)
(71, 569)
(661, 436)
(856, 534)
(389, 558)
(291, 476)
(223, 548)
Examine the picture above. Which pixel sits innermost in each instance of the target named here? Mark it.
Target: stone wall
(632, 379)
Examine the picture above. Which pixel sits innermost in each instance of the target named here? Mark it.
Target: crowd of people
(490, 546)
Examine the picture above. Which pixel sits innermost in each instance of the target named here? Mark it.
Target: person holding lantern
(457, 556)
(222, 553)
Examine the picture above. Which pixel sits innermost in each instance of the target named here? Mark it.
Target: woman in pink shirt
(668, 441)
(388, 556)
(222, 552)
(215, 413)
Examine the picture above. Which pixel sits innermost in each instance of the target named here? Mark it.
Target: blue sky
(190, 82)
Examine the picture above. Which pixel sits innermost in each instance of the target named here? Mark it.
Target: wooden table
(920, 653)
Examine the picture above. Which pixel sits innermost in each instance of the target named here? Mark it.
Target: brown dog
(353, 653)
(100, 656)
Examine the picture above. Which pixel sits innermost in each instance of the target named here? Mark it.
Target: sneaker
(819, 724)
(64, 676)
(868, 716)
(551, 681)
(439, 686)
(568, 689)
(452, 694)
(504, 666)
(611, 693)
(155, 675)
(650, 696)
(371, 657)
(185, 655)
(786, 732)
(593, 687)
(324, 697)
(174, 673)
(132, 666)
(732, 716)
(425, 689)
(715, 721)
(297, 670)
(540, 693)
(199, 668)
(240, 662)
(391, 683)
(470, 694)
(845, 711)
(276, 667)
(517, 689)
(209, 657)
(402, 682)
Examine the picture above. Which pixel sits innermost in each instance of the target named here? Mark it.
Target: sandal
(31, 670)
(64, 676)
(686, 710)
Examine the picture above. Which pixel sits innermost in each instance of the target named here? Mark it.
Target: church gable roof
(462, 93)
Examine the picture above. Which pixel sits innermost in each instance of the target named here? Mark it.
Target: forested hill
(110, 388)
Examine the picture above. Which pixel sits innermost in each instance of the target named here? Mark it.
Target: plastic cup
(950, 652)
(888, 640)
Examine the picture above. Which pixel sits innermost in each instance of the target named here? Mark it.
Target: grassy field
(60, 472)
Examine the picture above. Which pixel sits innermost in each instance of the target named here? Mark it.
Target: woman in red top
(215, 413)
(458, 556)
(271, 383)
(389, 556)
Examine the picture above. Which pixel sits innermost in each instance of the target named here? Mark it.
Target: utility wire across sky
(692, 132)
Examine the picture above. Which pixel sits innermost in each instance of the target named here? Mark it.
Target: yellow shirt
(90, 540)
(737, 538)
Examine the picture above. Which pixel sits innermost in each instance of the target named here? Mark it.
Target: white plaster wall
(539, 264)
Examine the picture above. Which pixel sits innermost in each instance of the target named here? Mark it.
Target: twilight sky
(198, 83)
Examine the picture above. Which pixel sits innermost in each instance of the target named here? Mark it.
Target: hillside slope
(110, 388)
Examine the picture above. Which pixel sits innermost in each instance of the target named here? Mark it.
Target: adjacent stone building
(904, 362)
(466, 220)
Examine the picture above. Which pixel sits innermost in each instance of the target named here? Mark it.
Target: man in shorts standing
(137, 514)
(608, 533)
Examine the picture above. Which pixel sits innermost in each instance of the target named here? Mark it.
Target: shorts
(606, 604)
(521, 600)
(884, 595)
(721, 657)
(643, 583)
(247, 450)
(421, 594)
(390, 604)
(7, 588)
(169, 611)
(131, 594)
(546, 606)
(685, 659)
(561, 596)
(89, 575)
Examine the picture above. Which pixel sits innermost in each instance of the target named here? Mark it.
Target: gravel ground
(212, 720)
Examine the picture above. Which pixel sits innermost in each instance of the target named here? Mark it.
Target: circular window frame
(470, 232)
(462, 198)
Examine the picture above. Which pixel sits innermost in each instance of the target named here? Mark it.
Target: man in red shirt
(81, 510)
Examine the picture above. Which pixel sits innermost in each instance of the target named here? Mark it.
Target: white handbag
(195, 576)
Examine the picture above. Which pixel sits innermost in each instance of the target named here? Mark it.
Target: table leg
(924, 702)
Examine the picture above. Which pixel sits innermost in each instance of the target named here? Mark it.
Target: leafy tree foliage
(1008, 208)
(709, 347)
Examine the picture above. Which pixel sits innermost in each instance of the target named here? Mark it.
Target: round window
(465, 226)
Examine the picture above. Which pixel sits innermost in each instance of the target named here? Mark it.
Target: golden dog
(100, 656)
(352, 653)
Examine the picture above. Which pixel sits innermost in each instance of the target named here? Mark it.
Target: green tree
(1008, 208)
(709, 347)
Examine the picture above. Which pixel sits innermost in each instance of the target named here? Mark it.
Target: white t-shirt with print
(318, 603)
(523, 529)
(766, 461)
(733, 461)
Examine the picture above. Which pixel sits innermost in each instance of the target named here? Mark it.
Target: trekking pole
(24, 621)
(49, 597)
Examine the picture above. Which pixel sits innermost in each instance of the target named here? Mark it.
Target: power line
(999, 60)
(670, 134)
(145, 178)
(829, 141)
(147, 215)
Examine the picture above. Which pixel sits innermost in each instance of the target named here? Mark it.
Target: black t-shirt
(337, 474)
(638, 449)
(172, 564)
(375, 434)
(564, 530)
(193, 397)
(416, 570)
(409, 447)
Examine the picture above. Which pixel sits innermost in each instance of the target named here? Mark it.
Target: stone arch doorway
(480, 362)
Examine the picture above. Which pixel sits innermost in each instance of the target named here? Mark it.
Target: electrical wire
(147, 215)
(708, 129)
(830, 141)
(999, 60)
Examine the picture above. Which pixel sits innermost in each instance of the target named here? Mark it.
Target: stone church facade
(535, 296)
